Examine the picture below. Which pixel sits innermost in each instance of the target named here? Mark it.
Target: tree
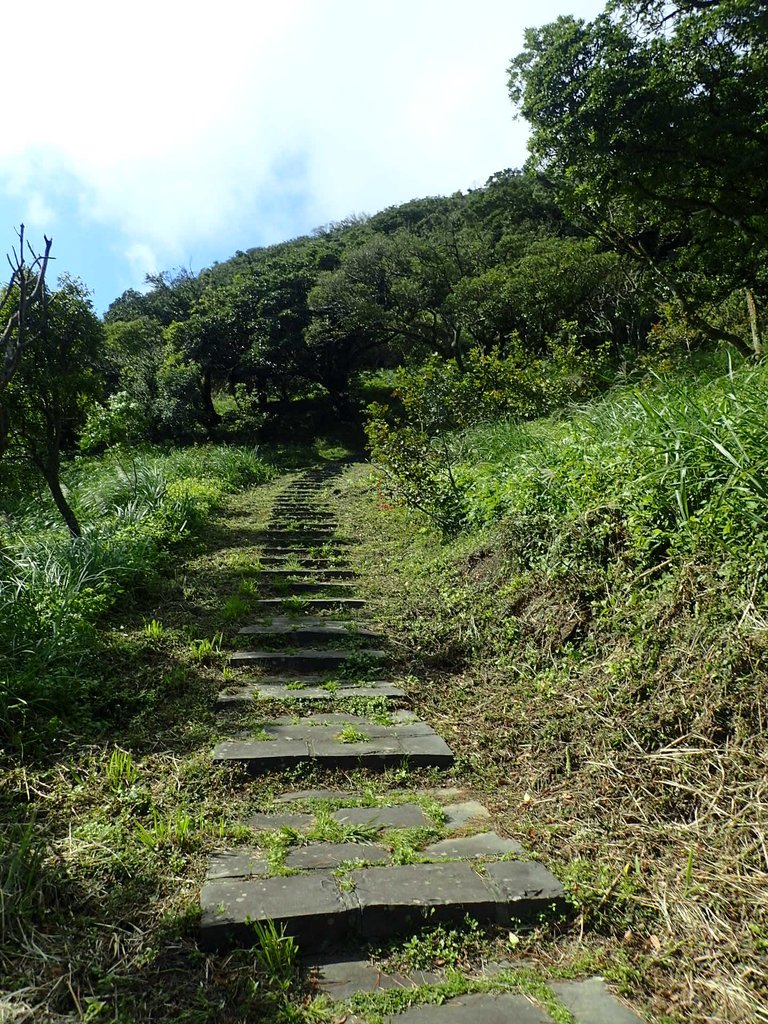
(651, 123)
(56, 379)
(24, 291)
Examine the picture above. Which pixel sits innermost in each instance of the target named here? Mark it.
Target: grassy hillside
(597, 643)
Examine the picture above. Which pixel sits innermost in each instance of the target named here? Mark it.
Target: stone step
(297, 536)
(310, 604)
(302, 561)
(319, 588)
(372, 903)
(296, 509)
(294, 504)
(309, 660)
(321, 679)
(296, 690)
(338, 741)
(308, 573)
(303, 523)
(310, 627)
(332, 551)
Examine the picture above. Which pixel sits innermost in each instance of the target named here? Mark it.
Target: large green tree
(59, 374)
(652, 123)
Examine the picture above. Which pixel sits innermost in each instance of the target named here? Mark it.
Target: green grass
(679, 462)
(54, 589)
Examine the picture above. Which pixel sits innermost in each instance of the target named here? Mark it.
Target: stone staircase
(337, 869)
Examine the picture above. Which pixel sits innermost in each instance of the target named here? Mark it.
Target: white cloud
(176, 123)
(141, 259)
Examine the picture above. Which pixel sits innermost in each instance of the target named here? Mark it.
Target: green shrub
(120, 421)
(440, 398)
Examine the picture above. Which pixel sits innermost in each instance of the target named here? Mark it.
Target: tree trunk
(51, 474)
(211, 416)
(754, 323)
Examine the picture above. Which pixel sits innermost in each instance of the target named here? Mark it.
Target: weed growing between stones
(349, 734)
(277, 954)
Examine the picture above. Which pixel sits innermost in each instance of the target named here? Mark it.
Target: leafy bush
(440, 397)
(120, 421)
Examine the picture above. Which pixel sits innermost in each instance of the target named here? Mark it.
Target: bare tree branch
(25, 288)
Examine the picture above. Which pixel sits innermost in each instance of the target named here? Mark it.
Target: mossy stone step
(309, 627)
(337, 741)
(252, 862)
(320, 588)
(589, 1000)
(299, 509)
(305, 524)
(332, 551)
(291, 692)
(376, 902)
(309, 604)
(297, 535)
(325, 573)
(387, 816)
(303, 561)
(308, 660)
(303, 514)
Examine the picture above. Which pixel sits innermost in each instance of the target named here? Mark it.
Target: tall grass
(53, 587)
(679, 462)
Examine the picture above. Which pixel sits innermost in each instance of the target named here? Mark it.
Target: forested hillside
(558, 383)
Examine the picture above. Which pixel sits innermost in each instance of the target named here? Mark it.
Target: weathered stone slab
(276, 535)
(287, 745)
(591, 1002)
(308, 522)
(485, 845)
(404, 898)
(526, 889)
(378, 755)
(301, 510)
(397, 816)
(311, 603)
(310, 660)
(262, 822)
(475, 1008)
(336, 718)
(276, 691)
(319, 856)
(460, 814)
(310, 906)
(340, 979)
(263, 756)
(304, 561)
(320, 588)
(240, 863)
(326, 573)
(308, 626)
(374, 902)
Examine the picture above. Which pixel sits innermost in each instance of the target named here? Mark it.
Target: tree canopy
(651, 123)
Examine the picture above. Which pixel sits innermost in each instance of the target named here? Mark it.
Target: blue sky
(158, 133)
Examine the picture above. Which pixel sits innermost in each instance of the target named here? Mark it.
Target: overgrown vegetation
(566, 533)
(54, 587)
(596, 632)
